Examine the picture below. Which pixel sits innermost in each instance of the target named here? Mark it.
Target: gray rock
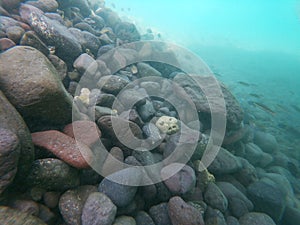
(121, 130)
(11, 120)
(234, 111)
(15, 217)
(232, 220)
(112, 84)
(9, 157)
(127, 32)
(72, 202)
(143, 218)
(182, 213)
(124, 220)
(105, 100)
(121, 194)
(15, 33)
(255, 218)
(98, 209)
(214, 217)
(160, 215)
(52, 32)
(247, 174)
(83, 62)
(47, 215)
(215, 198)
(53, 175)
(182, 182)
(59, 65)
(146, 111)
(44, 5)
(238, 203)
(256, 156)
(37, 92)
(225, 163)
(145, 70)
(87, 39)
(268, 198)
(267, 142)
(290, 216)
(31, 39)
(51, 199)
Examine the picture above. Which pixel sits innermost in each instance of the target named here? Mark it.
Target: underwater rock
(238, 203)
(52, 174)
(86, 132)
(127, 32)
(231, 220)
(31, 39)
(145, 70)
(98, 209)
(159, 214)
(9, 157)
(215, 198)
(26, 206)
(64, 147)
(214, 217)
(146, 111)
(6, 43)
(59, 65)
(182, 213)
(10, 4)
(83, 5)
(247, 174)
(182, 182)
(225, 163)
(110, 17)
(124, 220)
(83, 62)
(267, 142)
(44, 5)
(234, 112)
(268, 198)
(7, 22)
(71, 203)
(121, 194)
(112, 84)
(87, 40)
(11, 120)
(256, 218)
(143, 218)
(15, 33)
(52, 32)
(36, 92)
(7, 215)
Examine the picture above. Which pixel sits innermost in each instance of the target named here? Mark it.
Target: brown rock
(64, 147)
(15, 217)
(9, 156)
(10, 4)
(121, 130)
(6, 43)
(182, 213)
(11, 120)
(32, 85)
(15, 33)
(83, 131)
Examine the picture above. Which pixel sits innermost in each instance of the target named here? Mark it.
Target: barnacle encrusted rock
(167, 124)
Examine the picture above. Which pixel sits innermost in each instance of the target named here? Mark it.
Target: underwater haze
(252, 46)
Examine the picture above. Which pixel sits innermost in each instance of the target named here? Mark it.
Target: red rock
(6, 43)
(83, 131)
(64, 147)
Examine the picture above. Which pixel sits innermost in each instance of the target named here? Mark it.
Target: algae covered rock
(36, 90)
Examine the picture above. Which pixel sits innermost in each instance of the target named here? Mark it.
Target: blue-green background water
(253, 41)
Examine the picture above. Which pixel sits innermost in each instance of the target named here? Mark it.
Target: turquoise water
(252, 46)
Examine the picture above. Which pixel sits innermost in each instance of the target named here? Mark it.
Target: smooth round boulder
(36, 90)
(255, 218)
